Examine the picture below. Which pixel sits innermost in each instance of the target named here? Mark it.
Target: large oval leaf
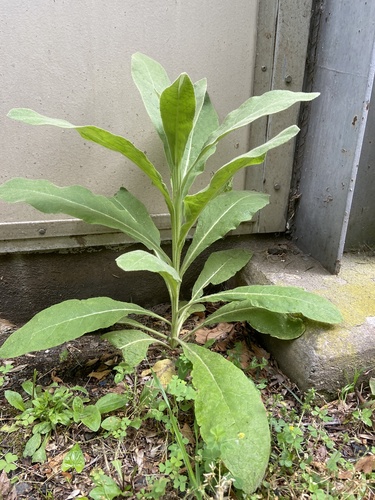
(282, 299)
(255, 107)
(66, 321)
(281, 326)
(100, 136)
(227, 401)
(151, 80)
(124, 212)
(177, 109)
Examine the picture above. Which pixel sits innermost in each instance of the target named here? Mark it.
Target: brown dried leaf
(55, 378)
(100, 375)
(92, 361)
(6, 490)
(345, 474)
(188, 433)
(164, 369)
(366, 464)
(219, 332)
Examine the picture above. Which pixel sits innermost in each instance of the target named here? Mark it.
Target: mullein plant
(228, 407)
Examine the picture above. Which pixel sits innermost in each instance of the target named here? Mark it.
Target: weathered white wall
(71, 59)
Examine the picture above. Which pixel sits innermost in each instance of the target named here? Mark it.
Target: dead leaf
(345, 474)
(188, 433)
(6, 490)
(55, 378)
(164, 369)
(259, 352)
(91, 362)
(100, 375)
(219, 332)
(319, 466)
(54, 464)
(138, 457)
(366, 464)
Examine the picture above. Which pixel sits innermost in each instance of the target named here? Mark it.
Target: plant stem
(174, 290)
(179, 439)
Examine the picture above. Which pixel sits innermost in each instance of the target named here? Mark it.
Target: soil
(88, 362)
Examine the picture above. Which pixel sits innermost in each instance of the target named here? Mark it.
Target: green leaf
(111, 402)
(133, 343)
(255, 107)
(282, 299)
(74, 459)
(130, 217)
(221, 215)
(177, 109)
(219, 267)
(106, 488)
(32, 445)
(66, 321)
(139, 260)
(101, 137)
(281, 326)
(15, 399)
(151, 80)
(195, 203)
(205, 122)
(90, 416)
(111, 424)
(226, 399)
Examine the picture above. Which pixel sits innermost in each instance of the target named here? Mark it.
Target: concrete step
(324, 358)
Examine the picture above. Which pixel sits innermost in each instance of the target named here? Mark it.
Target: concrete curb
(324, 358)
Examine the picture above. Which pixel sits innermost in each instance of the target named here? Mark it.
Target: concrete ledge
(324, 358)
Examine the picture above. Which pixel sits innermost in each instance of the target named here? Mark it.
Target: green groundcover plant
(188, 127)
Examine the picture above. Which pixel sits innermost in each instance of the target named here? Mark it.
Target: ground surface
(320, 449)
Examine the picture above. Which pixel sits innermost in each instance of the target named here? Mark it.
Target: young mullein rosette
(227, 405)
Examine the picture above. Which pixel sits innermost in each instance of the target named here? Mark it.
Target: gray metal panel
(344, 75)
(361, 229)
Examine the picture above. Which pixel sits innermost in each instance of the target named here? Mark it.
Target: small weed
(42, 410)
(4, 370)
(8, 462)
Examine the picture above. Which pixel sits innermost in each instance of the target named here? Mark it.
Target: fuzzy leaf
(139, 260)
(130, 217)
(229, 403)
(195, 203)
(282, 299)
(219, 267)
(99, 136)
(66, 321)
(206, 121)
(255, 107)
(133, 343)
(177, 109)
(281, 326)
(221, 215)
(151, 80)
